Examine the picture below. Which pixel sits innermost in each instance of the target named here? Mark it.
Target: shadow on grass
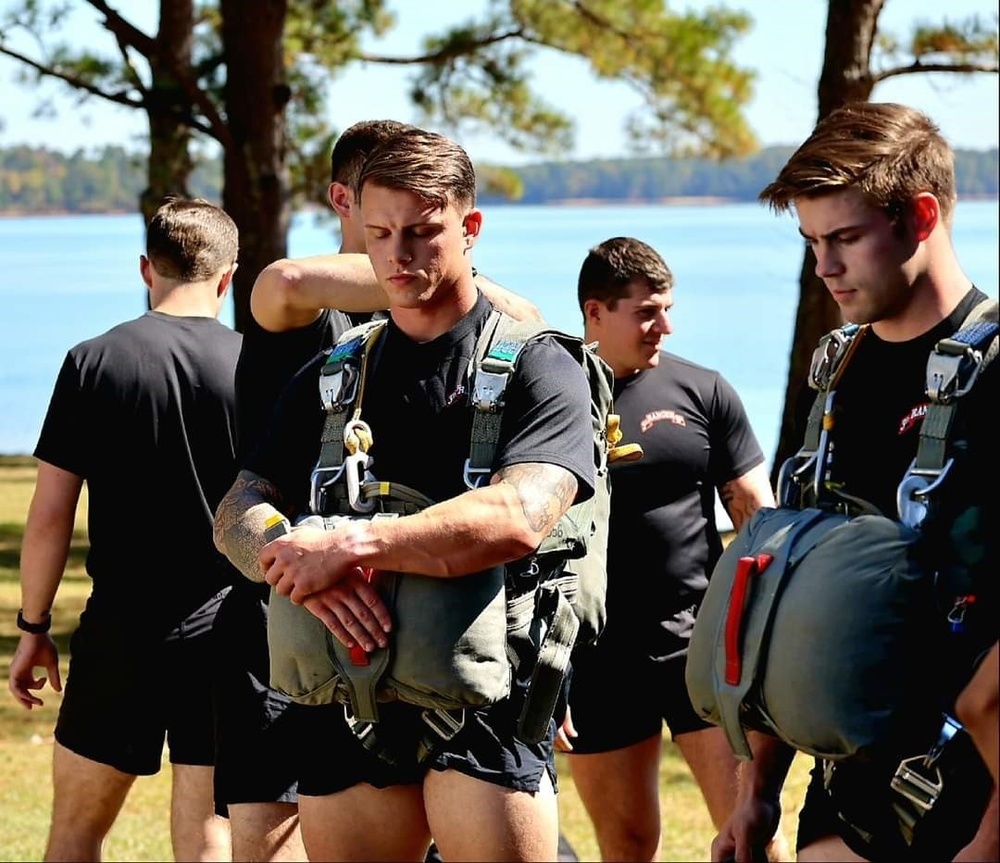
(11, 536)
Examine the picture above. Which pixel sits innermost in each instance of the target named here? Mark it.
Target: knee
(630, 838)
(979, 700)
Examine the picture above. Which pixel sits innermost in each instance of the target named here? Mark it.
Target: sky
(785, 47)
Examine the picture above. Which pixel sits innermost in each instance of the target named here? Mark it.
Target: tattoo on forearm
(546, 492)
(739, 504)
(240, 522)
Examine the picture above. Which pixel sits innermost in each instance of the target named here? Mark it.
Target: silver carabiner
(356, 467)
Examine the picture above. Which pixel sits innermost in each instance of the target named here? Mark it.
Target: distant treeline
(40, 180)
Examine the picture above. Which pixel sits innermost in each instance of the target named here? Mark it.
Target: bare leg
(475, 820)
(266, 833)
(829, 849)
(196, 832)
(977, 707)
(715, 769)
(366, 823)
(86, 799)
(620, 790)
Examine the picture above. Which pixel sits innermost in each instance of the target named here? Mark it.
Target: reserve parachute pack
(823, 617)
(455, 642)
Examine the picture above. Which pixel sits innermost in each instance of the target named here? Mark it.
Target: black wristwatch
(33, 628)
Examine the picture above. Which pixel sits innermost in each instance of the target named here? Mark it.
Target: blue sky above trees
(785, 47)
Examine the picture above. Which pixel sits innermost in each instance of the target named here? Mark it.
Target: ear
(472, 224)
(225, 281)
(145, 270)
(926, 213)
(341, 199)
(592, 310)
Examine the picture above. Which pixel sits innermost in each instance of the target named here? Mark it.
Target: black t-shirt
(663, 541)
(146, 414)
(267, 363)
(879, 408)
(416, 402)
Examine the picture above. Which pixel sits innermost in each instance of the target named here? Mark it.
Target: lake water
(736, 269)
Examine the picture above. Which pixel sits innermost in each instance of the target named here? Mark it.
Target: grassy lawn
(142, 831)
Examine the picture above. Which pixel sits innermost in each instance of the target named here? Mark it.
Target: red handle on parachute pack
(745, 567)
(358, 655)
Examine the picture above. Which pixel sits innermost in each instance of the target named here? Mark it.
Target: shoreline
(666, 201)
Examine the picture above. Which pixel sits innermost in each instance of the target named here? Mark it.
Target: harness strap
(952, 368)
(362, 680)
(490, 372)
(550, 666)
(341, 385)
(807, 468)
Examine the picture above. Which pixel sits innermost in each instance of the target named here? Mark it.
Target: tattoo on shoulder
(546, 492)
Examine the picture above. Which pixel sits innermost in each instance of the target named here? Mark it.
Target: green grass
(142, 831)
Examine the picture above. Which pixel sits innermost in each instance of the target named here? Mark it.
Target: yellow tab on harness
(613, 429)
(625, 452)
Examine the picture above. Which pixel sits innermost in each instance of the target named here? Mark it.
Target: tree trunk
(256, 178)
(169, 135)
(851, 26)
(169, 165)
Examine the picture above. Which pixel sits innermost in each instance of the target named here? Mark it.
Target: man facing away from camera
(145, 415)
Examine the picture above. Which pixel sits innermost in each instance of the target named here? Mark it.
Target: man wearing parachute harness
(417, 194)
(299, 307)
(873, 188)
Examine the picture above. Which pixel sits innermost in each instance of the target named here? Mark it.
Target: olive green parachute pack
(823, 618)
(456, 643)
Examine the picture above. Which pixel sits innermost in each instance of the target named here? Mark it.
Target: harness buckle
(443, 722)
(356, 466)
(913, 491)
(360, 728)
(338, 384)
(792, 477)
(488, 389)
(952, 369)
(828, 356)
(918, 782)
(473, 476)
(319, 483)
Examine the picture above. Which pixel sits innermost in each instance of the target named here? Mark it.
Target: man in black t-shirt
(873, 188)
(487, 792)
(299, 308)
(145, 415)
(663, 543)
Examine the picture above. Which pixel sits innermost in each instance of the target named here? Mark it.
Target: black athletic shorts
(258, 738)
(619, 697)
(859, 811)
(486, 748)
(124, 696)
